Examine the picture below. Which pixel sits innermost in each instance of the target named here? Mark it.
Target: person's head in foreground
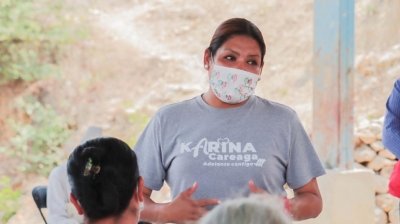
(256, 209)
(105, 182)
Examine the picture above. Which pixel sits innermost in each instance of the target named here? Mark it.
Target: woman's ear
(206, 60)
(140, 189)
(75, 201)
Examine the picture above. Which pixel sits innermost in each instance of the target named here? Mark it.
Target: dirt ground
(146, 54)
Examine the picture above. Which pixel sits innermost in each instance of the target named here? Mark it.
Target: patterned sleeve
(149, 156)
(304, 163)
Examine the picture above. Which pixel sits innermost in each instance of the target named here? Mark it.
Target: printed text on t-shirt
(223, 152)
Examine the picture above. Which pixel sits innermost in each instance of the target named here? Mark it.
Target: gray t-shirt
(223, 149)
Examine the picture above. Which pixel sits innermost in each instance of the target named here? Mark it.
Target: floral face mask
(232, 85)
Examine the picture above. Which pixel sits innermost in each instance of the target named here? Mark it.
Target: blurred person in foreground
(105, 182)
(391, 135)
(227, 141)
(256, 209)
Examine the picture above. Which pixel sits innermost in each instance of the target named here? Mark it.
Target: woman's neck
(211, 99)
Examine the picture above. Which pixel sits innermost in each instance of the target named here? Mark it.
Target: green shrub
(32, 35)
(8, 199)
(38, 143)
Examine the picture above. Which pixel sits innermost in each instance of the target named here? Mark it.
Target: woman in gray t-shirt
(227, 142)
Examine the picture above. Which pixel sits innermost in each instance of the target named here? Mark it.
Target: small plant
(38, 143)
(8, 199)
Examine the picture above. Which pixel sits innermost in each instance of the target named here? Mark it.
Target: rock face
(386, 202)
(364, 154)
(387, 154)
(394, 215)
(377, 146)
(381, 184)
(380, 216)
(386, 171)
(379, 162)
(370, 153)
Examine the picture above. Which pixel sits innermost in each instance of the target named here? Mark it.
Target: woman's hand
(185, 208)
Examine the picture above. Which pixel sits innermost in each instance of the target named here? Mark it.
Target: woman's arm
(307, 201)
(152, 211)
(184, 208)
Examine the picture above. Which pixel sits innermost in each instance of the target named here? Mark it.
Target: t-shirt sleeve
(303, 164)
(149, 156)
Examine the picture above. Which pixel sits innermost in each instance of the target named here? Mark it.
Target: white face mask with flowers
(232, 85)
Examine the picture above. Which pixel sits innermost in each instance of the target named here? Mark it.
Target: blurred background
(69, 64)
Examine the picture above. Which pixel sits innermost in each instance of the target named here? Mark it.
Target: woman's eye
(230, 58)
(252, 62)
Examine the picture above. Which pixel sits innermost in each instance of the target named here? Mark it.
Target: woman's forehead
(242, 45)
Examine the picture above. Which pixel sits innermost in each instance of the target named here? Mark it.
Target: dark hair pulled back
(107, 193)
(233, 27)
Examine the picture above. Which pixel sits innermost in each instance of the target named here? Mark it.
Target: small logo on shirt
(223, 152)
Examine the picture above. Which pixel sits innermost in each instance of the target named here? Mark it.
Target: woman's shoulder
(275, 107)
(177, 107)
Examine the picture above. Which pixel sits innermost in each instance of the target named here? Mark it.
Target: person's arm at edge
(391, 126)
(307, 201)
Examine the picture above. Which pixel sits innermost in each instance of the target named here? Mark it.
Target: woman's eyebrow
(228, 49)
(253, 55)
(237, 53)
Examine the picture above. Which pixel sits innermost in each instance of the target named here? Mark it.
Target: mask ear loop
(141, 206)
(141, 203)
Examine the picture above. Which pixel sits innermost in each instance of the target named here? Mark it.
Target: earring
(141, 205)
(206, 66)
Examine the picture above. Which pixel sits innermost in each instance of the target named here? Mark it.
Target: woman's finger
(255, 189)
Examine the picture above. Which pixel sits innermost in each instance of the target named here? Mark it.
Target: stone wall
(370, 153)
